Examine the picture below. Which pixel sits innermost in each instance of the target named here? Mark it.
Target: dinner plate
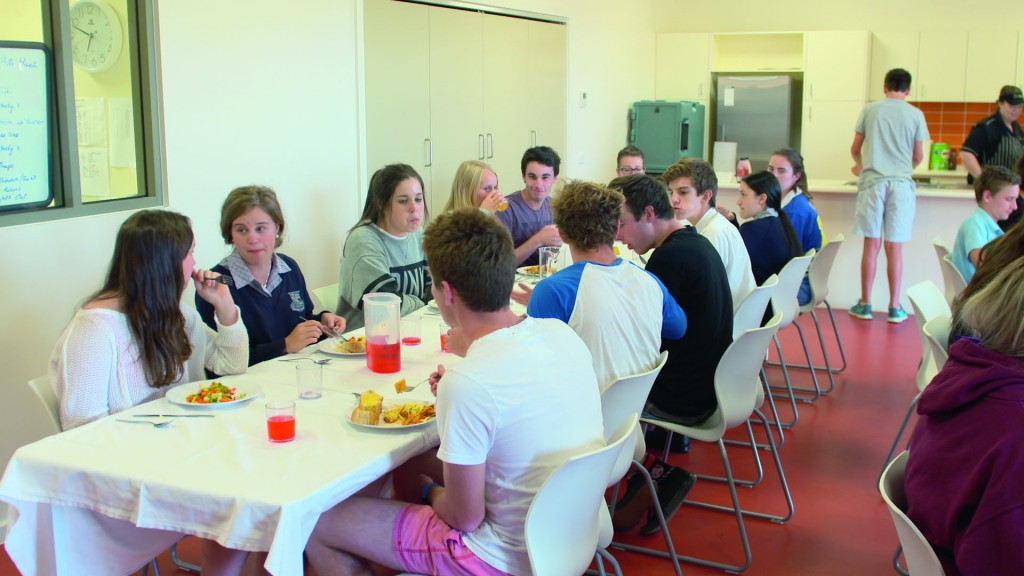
(177, 394)
(329, 346)
(523, 270)
(393, 426)
(432, 308)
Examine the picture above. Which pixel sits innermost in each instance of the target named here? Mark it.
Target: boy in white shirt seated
(996, 192)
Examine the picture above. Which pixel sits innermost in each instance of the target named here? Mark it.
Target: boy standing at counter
(996, 191)
(495, 412)
(885, 150)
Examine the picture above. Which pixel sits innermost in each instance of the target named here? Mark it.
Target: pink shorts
(425, 544)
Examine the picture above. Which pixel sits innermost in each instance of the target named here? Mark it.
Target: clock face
(95, 35)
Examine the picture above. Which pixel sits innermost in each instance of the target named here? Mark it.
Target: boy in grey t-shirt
(885, 150)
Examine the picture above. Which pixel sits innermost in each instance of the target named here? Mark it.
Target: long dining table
(107, 497)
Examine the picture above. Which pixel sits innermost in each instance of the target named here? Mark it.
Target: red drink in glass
(383, 357)
(444, 342)
(411, 340)
(281, 428)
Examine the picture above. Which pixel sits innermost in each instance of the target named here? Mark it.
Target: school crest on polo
(297, 304)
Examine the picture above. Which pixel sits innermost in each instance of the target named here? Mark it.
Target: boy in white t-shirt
(996, 191)
(495, 413)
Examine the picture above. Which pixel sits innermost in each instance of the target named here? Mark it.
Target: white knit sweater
(96, 369)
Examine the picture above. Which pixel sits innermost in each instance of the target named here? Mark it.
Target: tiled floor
(832, 460)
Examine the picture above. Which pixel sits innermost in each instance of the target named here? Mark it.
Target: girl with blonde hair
(475, 186)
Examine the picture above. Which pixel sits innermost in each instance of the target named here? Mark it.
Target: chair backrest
(328, 296)
(625, 397)
(952, 280)
(820, 269)
(928, 303)
(750, 312)
(562, 525)
(737, 376)
(921, 557)
(49, 403)
(941, 248)
(936, 331)
(785, 294)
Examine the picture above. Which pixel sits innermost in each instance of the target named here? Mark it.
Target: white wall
(255, 93)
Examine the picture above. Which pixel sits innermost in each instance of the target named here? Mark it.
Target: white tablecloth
(108, 496)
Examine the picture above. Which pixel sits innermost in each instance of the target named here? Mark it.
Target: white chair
(952, 280)
(748, 315)
(736, 388)
(563, 525)
(328, 296)
(921, 557)
(624, 398)
(784, 302)
(929, 306)
(818, 274)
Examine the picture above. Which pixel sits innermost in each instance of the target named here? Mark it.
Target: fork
(313, 360)
(150, 422)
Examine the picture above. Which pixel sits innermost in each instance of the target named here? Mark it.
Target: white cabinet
(991, 64)
(444, 86)
(682, 66)
(828, 129)
(836, 66)
(942, 66)
(891, 50)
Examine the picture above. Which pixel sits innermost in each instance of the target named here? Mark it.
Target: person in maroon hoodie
(963, 477)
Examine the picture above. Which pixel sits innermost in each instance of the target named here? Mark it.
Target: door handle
(533, 137)
(490, 145)
(480, 147)
(428, 153)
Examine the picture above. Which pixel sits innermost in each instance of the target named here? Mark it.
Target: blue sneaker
(863, 311)
(897, 315)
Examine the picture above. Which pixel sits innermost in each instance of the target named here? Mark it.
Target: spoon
(160, 424)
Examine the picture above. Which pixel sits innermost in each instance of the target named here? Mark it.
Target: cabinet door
(837, 65)
(546, 76)
(681, 68)
(991, 64)
(942, 66)
(828, 130)
(893, 50)
(506, 92)
(397, 77)
(456, 97)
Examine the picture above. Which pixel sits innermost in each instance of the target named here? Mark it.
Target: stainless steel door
(754, 112)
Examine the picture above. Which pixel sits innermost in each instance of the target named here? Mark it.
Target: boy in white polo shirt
(996, 192)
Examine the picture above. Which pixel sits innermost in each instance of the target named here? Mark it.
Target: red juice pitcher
(382, 318)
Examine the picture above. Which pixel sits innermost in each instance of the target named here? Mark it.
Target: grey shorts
(887, 203)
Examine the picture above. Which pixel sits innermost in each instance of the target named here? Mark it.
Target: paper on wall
(730, 96)
(91, 121)
(122, 133)
(93, 173)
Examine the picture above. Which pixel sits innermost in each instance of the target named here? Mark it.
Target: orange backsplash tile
(950, 122)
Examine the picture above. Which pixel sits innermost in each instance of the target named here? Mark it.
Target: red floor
(832, 459)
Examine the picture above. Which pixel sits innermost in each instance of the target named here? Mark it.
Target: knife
(172, 415)
(326, 329)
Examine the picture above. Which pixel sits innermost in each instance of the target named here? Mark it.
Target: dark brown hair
(146, 276)
(473, 252)
(765, 183)
(641, 191)
(701, 174)
(797, 162)
(382, 189)
(994, 179)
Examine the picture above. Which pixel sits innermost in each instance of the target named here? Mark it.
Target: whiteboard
(25, 114)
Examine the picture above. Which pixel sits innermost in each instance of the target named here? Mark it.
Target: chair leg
(753, 445)
(152, 564)
(181, 564)
(816, 391)
(839, 342)
(605, 555)
(782, 482)
(700, 561)
(788, 388)
(896, 562)
(899, 434)
(671, 554)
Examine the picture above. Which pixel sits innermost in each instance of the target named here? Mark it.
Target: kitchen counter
(817, 186)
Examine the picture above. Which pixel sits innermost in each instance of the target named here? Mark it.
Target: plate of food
(213, 394)
(534, 270)
(432, 308)
(373, 411)
(354, 346)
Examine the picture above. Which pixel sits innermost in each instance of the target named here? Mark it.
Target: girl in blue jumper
(268, 286)
(768, 234)
(788, 167)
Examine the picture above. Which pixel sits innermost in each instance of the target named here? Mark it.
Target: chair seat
(709, 430)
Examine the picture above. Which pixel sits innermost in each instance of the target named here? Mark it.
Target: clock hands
(91, 35)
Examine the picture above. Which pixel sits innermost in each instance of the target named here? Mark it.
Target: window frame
(142, 42)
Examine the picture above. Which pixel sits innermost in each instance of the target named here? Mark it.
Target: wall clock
(95, 35)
